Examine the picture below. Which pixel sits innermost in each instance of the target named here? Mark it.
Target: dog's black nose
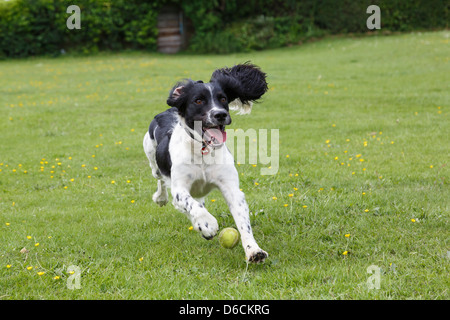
(220, 116)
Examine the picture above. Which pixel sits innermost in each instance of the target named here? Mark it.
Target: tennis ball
(228, 238)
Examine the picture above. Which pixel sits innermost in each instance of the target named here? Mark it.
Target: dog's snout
(220, 116)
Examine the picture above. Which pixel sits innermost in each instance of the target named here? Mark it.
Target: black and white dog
(186, 148)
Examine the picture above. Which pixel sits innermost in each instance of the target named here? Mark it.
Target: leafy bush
(36, 27)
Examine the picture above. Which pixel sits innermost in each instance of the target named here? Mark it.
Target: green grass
(381, 99)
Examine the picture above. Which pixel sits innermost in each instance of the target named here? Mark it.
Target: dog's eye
(223, 99)
(198, 101)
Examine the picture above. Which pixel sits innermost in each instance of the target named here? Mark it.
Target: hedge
(38, 27)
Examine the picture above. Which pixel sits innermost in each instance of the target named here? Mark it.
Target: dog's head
(236, 88)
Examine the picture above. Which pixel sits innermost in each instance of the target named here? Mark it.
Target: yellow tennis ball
(228, 238)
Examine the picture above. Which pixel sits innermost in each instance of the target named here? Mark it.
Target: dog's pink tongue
(218, 135)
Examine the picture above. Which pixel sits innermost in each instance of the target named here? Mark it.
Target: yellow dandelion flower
(36, 244)
(347, 235)
(336, 158)
(28, 237)
(65, 187)
(8, 266)
(41, 273)
(56, 277)
(128, 181)
(290, 195)
(286, 205)
(72, 180)
(305, 206)
(295, 189)
(287, 156)
(191, 228)
(367, 210)
(358, 155)
(345, 253)
(274, 198)
(253, 165)
(7, 223)
(141, 259)
(431, 167)
(213, 200)
(256, 184)
(83, 165)
(30, 268)
(327, 141)
(113, 182)
(413, 220)
(133, 201)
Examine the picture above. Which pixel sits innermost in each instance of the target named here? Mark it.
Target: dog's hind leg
(160, 197)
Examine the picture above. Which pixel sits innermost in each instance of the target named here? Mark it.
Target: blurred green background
(38, 27)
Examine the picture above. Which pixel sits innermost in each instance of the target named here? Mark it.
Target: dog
(185, 146)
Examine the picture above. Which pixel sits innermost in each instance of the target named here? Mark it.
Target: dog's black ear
(243, 84)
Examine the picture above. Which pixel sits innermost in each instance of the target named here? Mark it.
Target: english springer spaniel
(186, 149)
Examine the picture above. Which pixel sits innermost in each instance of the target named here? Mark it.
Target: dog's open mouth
(214, 135)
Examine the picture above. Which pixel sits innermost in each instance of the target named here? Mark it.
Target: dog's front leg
(235, 199)
(201, 219)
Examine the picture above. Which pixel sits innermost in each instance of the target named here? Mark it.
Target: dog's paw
(206, 224)
(160, 199)
(256, 255)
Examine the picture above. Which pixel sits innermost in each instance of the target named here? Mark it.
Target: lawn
(363, 179)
